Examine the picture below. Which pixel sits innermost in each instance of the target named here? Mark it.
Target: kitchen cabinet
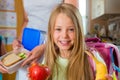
(105, 8)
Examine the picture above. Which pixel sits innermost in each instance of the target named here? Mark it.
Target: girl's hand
(34, 55)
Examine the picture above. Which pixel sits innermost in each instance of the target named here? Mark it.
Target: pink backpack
(108, 52)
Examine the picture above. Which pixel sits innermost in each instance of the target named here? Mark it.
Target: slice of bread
(11, 59)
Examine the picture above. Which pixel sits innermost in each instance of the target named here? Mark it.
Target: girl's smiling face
(64, 32)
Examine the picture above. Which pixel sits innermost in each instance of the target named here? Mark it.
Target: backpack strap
(101, 68)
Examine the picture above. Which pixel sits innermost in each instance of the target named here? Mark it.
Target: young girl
(65, 48)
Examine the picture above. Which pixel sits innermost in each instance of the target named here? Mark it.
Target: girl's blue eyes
(71, 29)
(59, 29)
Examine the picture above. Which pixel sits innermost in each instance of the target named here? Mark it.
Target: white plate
(13, 68)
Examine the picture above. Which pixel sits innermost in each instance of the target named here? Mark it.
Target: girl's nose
(64, 34)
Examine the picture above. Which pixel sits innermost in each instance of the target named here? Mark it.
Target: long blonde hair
(78, 67)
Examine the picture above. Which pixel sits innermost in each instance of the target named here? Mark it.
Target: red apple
(38, 72)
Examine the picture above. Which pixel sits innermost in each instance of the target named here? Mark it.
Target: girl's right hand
(35, 54)
(16, 44)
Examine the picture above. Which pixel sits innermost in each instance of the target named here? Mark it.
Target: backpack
(109, 52)
(98, 65)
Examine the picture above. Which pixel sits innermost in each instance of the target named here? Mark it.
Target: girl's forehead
(62, 17)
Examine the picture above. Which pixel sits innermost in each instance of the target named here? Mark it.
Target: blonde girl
(65, 54)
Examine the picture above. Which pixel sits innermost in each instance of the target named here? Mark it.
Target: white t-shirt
(38, 12)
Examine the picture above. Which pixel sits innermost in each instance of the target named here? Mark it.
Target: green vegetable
(22, 55)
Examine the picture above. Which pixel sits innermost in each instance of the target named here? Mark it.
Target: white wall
(82, 8)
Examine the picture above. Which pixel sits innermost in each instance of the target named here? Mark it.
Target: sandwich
(11, 59)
